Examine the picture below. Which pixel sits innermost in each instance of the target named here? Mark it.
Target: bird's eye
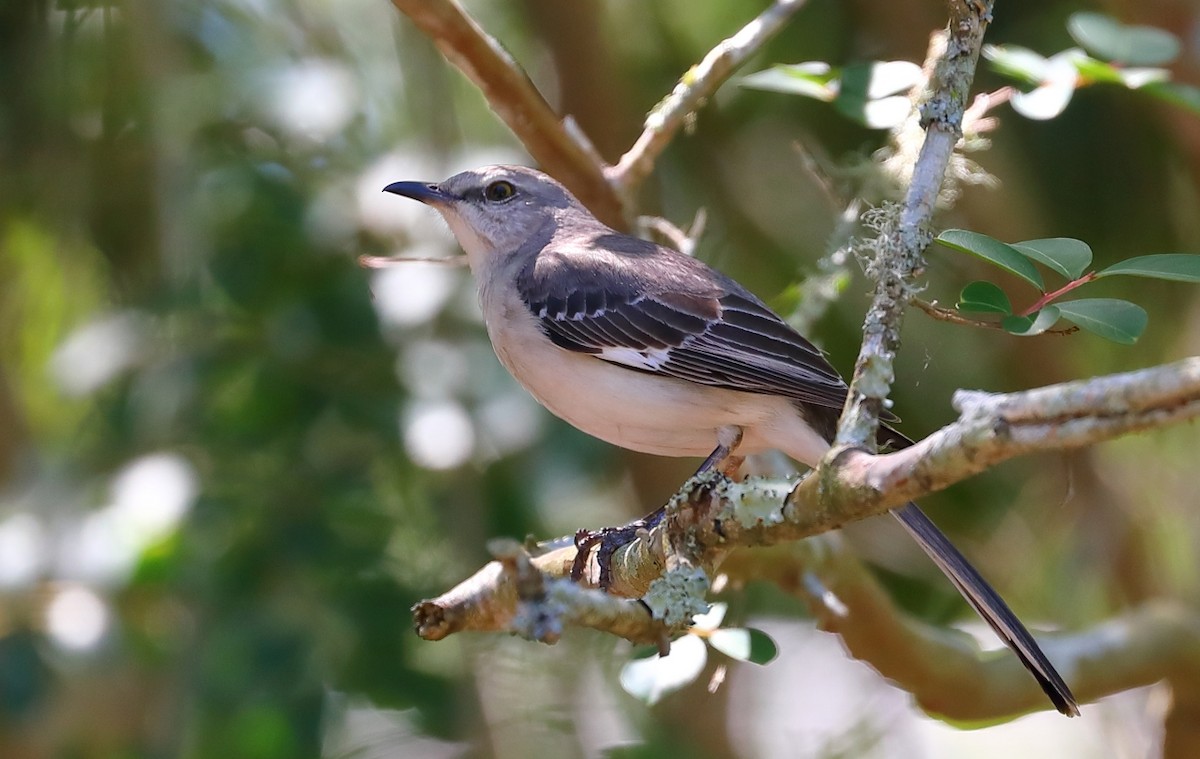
(499, 191)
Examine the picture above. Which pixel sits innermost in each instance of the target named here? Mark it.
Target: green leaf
(762, 647)
(734, 642)
(879, 79)
(1136, 79)
(744, 644)
(884, 113)
(864, 92)
(1117, 320)
(1133, 45)
(711, 619)
(1184, 95)
(1065, 255)
(994, 252)
(867, 92)
(983, 298)
(1017, 62)
(1028, 326)
(1179, 267)
(651, 679)
(814, 79)
(1054, 92)
(1107, 73)
(1098, 71)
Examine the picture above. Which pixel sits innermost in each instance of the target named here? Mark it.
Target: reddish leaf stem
(1045, 300)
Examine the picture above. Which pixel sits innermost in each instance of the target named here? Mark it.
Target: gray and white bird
(652, 350)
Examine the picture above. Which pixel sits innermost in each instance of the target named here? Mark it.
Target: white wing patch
(651, 359)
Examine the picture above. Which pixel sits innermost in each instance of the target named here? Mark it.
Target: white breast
(633, 409)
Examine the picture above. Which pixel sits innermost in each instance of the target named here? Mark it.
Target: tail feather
(979, 594)
(989, 605)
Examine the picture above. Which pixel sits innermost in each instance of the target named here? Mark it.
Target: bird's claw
(606, 541)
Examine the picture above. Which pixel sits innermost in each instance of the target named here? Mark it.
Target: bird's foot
(606, 541)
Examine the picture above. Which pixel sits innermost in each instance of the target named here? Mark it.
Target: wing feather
(650, 309)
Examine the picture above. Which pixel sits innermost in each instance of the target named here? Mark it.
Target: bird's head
(495, 209)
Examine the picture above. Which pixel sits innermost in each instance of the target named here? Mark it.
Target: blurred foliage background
(231, 459)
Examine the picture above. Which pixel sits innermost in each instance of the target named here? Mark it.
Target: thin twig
(954, 317)
(975, 119)
(696, 86)
(383, 262)
(684, 241)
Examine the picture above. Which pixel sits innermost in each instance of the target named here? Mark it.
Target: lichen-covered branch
(904, 233)
(713, 516)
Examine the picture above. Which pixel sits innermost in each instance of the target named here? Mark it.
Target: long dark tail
(983, 597)
(988, 603)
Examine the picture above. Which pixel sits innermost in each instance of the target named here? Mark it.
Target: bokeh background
(231, 459)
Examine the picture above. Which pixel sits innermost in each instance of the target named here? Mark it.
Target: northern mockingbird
(652, 350)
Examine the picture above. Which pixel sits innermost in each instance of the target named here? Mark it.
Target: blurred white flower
(22, 550)
(99, 351)
(412, 292)
(312, 99)
(439, 435)
(149, 497)
(76, 617)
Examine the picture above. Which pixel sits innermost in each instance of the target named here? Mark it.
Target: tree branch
(560, 151)
(713, 516)
(902, 238)
(946, 671)
(696, 86)
(558, 145)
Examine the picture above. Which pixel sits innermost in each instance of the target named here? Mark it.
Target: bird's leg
(729, 438)
(609, 539)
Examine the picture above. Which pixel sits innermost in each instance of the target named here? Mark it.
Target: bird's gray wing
(690, 323)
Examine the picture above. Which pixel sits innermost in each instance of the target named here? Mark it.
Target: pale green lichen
(756, 500)
(678, 596)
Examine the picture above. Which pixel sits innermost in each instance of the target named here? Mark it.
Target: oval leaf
(651, 679)
(1184, 95)
(1179, 267)
(983, 298)
(1133, 45)
(711, 619)
(994, 252)
(1017, 62)
(762, 647)
(1065, 255)
(1135, 79)
(884, 113)
(744, 644)
(814, 79)
(879, 79)
(734, 642)
(1117, 320)
(1016, 325)
(1054, 92)
(1028, 326)
(1098, 71)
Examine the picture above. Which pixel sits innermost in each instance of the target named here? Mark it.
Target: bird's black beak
(425, 192)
